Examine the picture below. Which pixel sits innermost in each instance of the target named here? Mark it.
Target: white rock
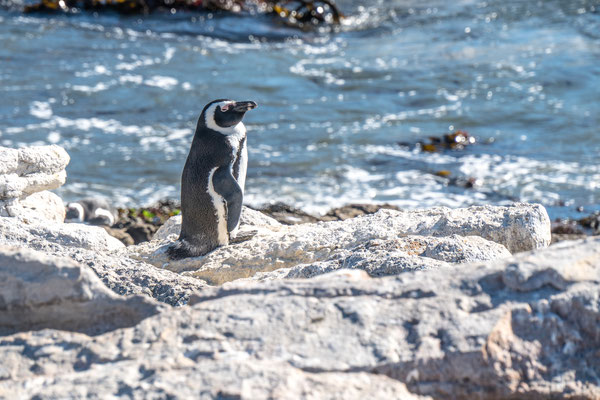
(25, 175)
(519, 227)
(391, 257)
(93, 247)
(45, 205)
(276, 246)
(30, 170)
(524, 327)
(42, 235)
(39, 291)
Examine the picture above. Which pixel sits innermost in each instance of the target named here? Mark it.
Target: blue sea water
(122, 95)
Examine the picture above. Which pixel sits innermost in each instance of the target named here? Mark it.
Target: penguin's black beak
(243, 106)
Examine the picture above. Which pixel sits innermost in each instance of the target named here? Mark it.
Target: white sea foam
(40, 109)
(163, 82)
(98, 87)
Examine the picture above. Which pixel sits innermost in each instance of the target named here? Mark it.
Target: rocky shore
(424, 304)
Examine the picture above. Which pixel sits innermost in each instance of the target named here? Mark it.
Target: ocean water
(122, 95)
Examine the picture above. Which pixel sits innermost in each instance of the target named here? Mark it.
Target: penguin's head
(222, 115)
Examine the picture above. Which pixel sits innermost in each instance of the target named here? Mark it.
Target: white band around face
(79, 209)
(101, 212)
(210, 122)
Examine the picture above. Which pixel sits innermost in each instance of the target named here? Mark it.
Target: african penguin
(92, 211)
(213, 179)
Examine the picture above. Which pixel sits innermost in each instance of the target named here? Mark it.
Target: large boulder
(442, 234)
(524, 327)
(25, 176)
(38, 291)
(93, 247)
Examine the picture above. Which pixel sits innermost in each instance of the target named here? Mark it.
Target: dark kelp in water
(297, 13)
(585, 226)
(450, 141)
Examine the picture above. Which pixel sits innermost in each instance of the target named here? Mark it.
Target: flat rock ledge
(384, 243)
(524, 327)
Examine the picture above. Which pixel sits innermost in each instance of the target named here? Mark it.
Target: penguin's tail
(183, 249)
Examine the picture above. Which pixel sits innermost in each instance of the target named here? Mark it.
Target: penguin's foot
(242, 237)
(183, 249)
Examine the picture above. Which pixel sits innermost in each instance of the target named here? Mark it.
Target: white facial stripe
(79, 208)
(218, 203)
(101, 212)
(212, 124)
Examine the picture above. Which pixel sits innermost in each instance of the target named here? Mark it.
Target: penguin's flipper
(227, 187)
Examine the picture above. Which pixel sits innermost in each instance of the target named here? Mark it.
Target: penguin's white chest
(219, 206)
(237, 139)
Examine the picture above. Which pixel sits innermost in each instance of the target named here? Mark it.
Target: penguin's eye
(225, 107)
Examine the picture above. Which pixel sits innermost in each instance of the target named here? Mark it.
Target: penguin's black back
(199, 226)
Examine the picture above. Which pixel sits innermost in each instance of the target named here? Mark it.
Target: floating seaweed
(466, 182)
(296, 13)
(450, 141)
(301, 13)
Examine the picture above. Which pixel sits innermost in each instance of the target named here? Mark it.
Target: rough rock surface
(93, 247)
(27, 171)
(38, 234)
(38, 291)
(45, 205)
(443, 234)
(289, 215)
(32, 169)
(525, 327)
(391, 257)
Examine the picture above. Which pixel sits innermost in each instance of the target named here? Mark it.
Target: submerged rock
(457, 140)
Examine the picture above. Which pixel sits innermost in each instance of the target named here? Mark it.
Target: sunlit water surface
(122, 95)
